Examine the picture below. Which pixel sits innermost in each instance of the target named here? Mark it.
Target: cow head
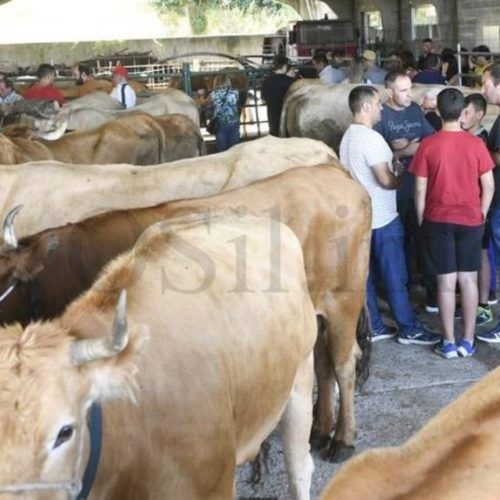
(49, 376)
(22, 261)
(50, 127)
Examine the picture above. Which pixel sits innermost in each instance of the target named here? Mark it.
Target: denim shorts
(449, 248)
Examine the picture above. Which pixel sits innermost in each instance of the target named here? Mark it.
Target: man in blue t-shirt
(403, 126)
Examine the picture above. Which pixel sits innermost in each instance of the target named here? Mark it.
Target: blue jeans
(387, 261)
(495, 234)
(227, 135)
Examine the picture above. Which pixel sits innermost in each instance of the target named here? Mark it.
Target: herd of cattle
(182, 292)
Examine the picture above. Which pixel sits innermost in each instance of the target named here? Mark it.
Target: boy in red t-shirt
(44, 89)
(453, 191)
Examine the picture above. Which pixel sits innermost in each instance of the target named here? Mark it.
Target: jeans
(495, 240)
(387, 260)
(227, 135)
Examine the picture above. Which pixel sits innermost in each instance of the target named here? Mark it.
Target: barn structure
(94, 188)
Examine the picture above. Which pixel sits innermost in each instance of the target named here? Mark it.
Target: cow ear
(112, 376)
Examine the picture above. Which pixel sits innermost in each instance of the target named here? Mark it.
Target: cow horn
(9, 235)
(84, 351)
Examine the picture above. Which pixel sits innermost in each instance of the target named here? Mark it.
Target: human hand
(398, 144)
(398, 166)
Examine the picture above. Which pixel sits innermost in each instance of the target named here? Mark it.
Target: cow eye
(64, 435)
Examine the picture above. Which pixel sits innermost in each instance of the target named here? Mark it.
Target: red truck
(302, 37)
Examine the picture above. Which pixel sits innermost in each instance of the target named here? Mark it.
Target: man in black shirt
(273, 92)
(491, 90)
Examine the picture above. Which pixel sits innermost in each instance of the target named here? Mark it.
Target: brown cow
(454, 457)
(326, 209)
(135, 138)
(201, 375)
(14, 150)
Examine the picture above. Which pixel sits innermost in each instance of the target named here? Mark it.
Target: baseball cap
(121, 70)
(369, 55)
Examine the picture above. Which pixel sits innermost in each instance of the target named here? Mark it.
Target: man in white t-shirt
(327, 73)
(366, 155)
(122, 91)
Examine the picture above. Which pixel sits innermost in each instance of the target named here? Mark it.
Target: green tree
(197, 9)
(270, 5)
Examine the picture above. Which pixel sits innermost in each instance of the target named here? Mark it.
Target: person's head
(319, 61)
(6, 87)
(430, 99)
(120, 74)
(408, 60)
(481, 60)
(369, 58)
(364, 102)
(473, 112)
(393, 61)
(491, 84)
(398, 86)
(80, 73)
(427, 46)
(281, 64)
(450, 103)
(222, 80)
(432, 62)
(46, 74)
(337, 57)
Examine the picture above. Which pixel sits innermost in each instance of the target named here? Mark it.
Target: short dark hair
(359, 95)
(427, 40)
(494, 71)
(83, 69)
(392, 76)
(431, 61)
(481, 48)
(45, 70)
(477, 100)
(320, 57)
(280, 60)
(9, 84)
(450, 103)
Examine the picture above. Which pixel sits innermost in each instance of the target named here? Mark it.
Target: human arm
(487, 190)
(420, 195)
(404, 148)
(385, 177)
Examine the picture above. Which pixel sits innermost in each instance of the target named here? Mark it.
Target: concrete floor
(408, 385)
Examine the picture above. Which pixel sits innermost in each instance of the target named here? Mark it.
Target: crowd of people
(44, 89)
(429, 170)
(438, 188)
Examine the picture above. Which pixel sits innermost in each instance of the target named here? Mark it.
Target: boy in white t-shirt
(369, 159)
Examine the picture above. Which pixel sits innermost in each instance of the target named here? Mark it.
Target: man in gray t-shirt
(368, 158)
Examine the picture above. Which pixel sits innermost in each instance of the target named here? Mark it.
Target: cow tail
(363, 336)
(262, 459)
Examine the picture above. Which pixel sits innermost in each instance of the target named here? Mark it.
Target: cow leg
(324, 410)
(343, 348)
(295, 428)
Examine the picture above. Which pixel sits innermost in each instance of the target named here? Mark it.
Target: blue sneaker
(447, 351)
(384, 333)
(420, 336)
(492, 337)
(465, 349)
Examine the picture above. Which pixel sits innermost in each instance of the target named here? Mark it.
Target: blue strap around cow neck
(94, 422)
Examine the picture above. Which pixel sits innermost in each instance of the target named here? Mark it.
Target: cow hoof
(319, 442)
(337, 452)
